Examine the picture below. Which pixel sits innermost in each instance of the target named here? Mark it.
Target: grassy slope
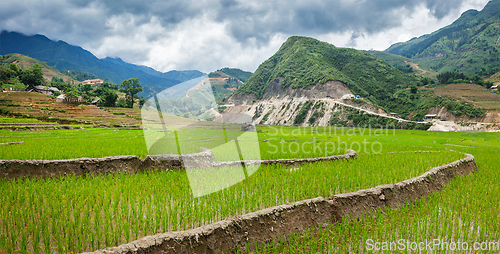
(469, 45)
(397, 61)
(25, 62)
(495, 78)
(37, 105)
(235, 73)
(470, 93)
(226, 80)
(303, 61)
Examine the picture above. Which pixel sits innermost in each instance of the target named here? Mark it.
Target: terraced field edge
(10, 169)
(254, 229)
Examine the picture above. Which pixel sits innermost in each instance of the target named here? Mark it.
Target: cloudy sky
(210, 34)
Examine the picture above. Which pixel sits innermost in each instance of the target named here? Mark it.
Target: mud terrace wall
(269, 224)
(131, 164)
(350, 154)
(83, 166)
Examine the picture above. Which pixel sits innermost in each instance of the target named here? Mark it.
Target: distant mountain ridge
(64, 56)
(470, 44)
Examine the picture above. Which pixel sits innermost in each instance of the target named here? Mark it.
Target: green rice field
(76, 214)
(462, 218)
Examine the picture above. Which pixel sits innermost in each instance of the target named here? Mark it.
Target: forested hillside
(469, 45)
(303, 62)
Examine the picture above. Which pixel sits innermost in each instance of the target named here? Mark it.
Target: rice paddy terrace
(44, 108)
(76, 214)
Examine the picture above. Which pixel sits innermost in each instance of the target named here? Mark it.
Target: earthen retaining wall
(131, 164)
(83, 166)
(269, 224)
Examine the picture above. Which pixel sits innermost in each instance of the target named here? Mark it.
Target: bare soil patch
(37, 105)
(471, 93)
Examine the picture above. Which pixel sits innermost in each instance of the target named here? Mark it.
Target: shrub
(299, 119)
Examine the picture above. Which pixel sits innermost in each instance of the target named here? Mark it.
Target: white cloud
(208, 35)
(414, 24)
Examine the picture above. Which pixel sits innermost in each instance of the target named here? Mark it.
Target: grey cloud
(318, 17)
(258, 19)
(252, 24)
(352, 40)
(441, 8)
(169, 12)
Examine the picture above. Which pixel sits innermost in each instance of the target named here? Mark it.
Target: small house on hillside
(93, 82)
(65, 99)
(392, 114)
(432, 116)
(96, 101)
(60, 98)
(494, 88)
(348, 96)
(45, 90)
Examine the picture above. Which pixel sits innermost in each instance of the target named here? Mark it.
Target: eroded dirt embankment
(83, 166)
(275, 91)
(132, 164)
(269, 224)
(54, 168)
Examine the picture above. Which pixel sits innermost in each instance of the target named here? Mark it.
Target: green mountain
(303, 61)
(404, 64)
(226, 81)
(64, 56)
(238, 74)
(469, 45)
(25, 62)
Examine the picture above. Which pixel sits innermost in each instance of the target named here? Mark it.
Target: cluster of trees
(404, 68)
(131, 88)
(107, 91)
(459, 77)
(30, 78)
(460, 107)
(80, 76)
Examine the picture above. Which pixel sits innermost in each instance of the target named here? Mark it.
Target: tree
(15, 69)
(32, 77)
(425, 81)
(413, 89)
(131, 87)
(86, 98)
(122, 103)
(86, 88)
(57, 79)
(6, 74)
(142, 100)
(109, 85)
(110, 98)
(72, 93)
(61, 85)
